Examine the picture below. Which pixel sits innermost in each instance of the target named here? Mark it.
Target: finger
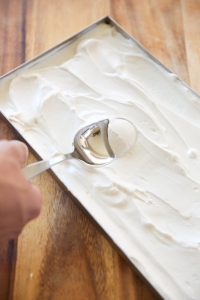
(10, 234)
(34, 201)
(18, 150)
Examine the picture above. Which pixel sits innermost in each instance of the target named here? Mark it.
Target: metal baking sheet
(44, 56)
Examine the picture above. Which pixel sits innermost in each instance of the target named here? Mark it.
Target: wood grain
(61, 255)
(7, 269)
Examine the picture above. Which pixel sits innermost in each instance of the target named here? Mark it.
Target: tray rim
(108, 20)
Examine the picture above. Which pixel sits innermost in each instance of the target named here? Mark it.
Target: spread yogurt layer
(121, 136)
(148, 200)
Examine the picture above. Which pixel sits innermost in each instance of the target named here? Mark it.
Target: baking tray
(35, 60)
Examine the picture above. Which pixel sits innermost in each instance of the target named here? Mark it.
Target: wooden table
(61, 255)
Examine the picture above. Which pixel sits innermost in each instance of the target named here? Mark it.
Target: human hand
(20, 200)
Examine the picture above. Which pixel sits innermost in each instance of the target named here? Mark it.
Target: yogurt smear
(121, 136)
(148, 201)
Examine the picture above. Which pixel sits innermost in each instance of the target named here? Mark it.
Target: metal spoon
(91, 145)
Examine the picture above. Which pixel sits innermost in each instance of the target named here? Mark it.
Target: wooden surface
(61, 255)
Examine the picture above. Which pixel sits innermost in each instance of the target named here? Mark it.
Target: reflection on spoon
(96, 144)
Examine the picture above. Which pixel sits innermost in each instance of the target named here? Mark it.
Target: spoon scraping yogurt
(96, 144)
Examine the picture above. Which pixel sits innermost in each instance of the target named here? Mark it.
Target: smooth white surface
(121, 136)
(148, 201)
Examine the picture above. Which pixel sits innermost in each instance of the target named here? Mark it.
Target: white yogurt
(148, 201)
(121, 136)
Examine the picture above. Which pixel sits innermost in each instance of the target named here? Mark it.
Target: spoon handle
(34, 169)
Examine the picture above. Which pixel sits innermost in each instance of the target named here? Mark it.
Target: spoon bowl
(93, 144)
